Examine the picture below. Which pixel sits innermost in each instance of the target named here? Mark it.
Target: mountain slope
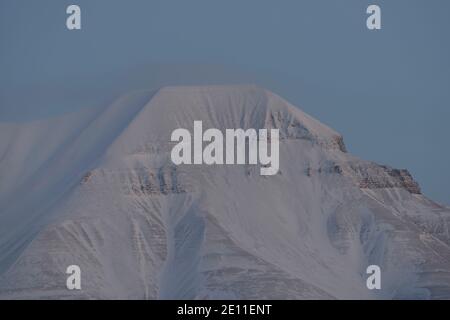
(104, 194)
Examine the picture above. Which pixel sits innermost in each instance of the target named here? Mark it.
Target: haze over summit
(387, 93)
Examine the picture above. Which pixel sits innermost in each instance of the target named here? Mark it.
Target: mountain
(98, 189)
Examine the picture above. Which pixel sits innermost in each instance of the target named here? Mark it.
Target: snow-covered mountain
(98, 189)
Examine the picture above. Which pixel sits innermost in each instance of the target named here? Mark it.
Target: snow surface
(98, 189)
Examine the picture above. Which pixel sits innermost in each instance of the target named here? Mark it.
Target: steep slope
(104, 194)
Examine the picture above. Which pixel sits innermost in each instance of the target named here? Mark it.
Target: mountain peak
(224, 107)
(105, 195)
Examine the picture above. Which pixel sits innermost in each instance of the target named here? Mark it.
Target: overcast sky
(387, 91)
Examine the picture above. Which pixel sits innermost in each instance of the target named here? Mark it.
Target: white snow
(98, 190)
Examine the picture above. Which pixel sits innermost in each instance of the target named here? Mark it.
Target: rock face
(373, 176)
(103, 194)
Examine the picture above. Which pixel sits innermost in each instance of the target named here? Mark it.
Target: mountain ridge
(141, 227)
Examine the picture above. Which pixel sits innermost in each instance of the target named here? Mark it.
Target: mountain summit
(97, 189)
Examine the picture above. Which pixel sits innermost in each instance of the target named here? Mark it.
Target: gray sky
(387, 92)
